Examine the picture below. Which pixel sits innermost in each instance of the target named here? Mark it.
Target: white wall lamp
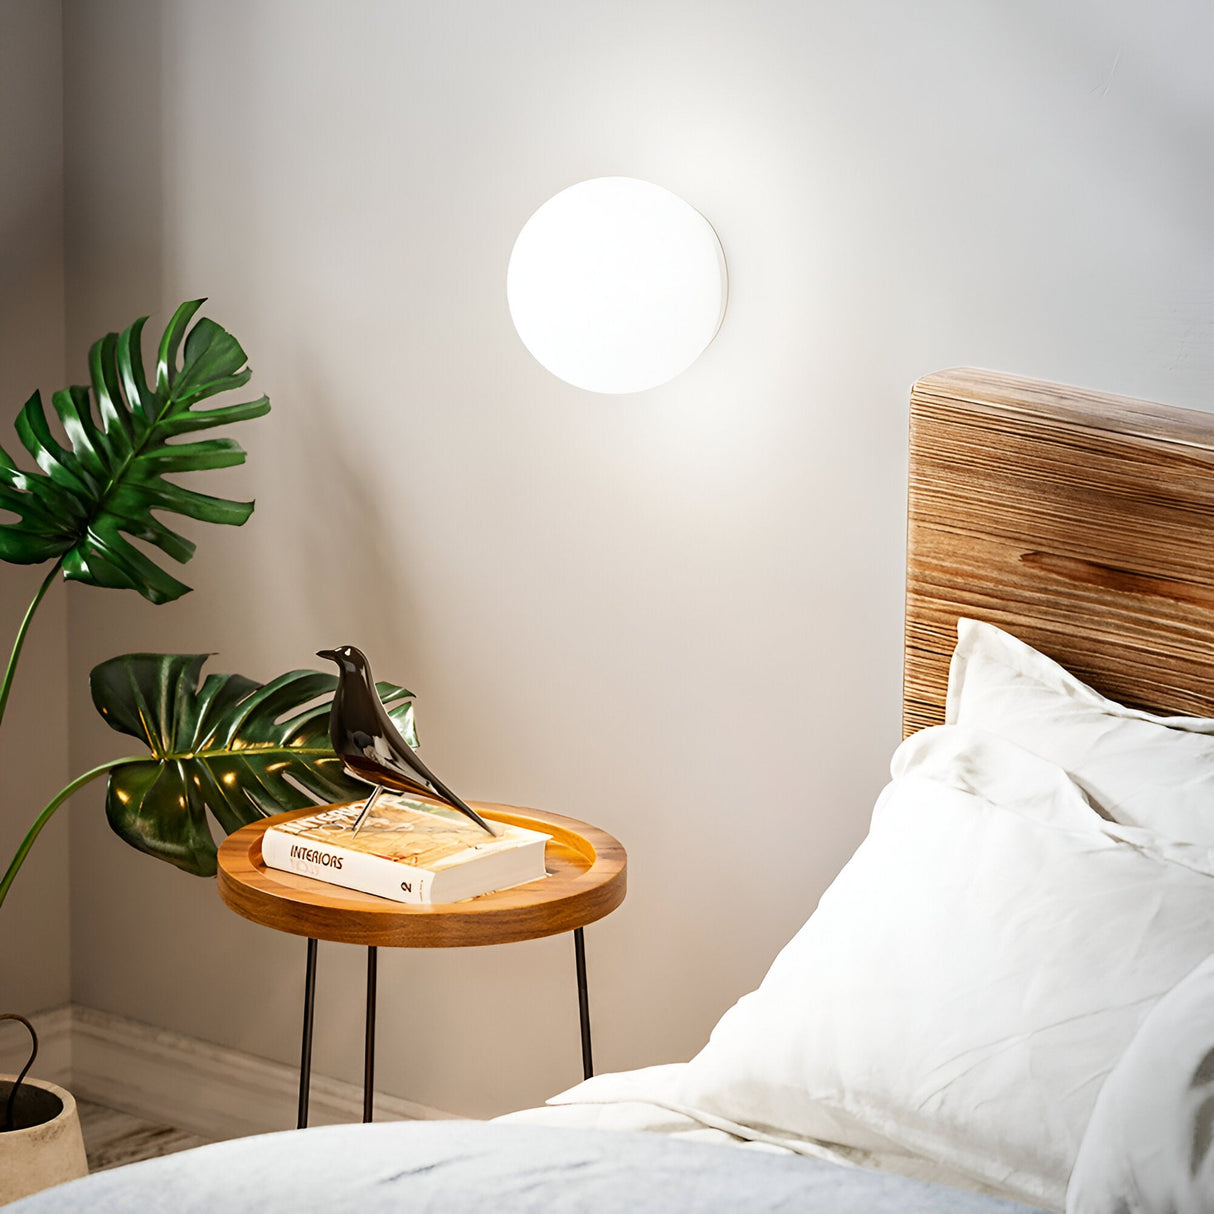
(616, 285)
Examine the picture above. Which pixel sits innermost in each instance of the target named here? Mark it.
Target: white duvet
(653, 1100)
(953, 1006)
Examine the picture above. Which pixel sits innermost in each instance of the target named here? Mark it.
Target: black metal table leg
(305, 1053)
(583, 1001)
(369, 1042)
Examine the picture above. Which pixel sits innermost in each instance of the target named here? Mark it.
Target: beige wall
(35, 960)
(676, 614)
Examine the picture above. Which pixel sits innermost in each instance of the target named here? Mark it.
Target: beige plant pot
(45, 1153)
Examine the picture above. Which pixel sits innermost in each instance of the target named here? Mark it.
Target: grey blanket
(456, 1166)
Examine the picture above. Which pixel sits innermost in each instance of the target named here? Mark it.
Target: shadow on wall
(114, 188)
(333, 551)
(31, 202)
(31, 269)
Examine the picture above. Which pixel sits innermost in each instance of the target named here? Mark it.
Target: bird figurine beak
(327, 653)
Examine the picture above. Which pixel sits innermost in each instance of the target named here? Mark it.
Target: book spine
(341, 866)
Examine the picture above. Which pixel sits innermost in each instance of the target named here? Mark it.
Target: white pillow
(969, 979)
(1144, 770)
(1148, 1147)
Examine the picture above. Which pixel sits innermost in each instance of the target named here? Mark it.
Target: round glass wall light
(617, 285)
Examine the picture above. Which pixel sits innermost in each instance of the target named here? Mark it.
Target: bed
(1004, 991)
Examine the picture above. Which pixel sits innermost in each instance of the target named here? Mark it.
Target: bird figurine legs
(368, 806)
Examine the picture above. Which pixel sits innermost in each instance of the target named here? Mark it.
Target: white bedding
(953, 1007)
(650, 1099)
(653, 1100)
(1144, 770)
(469, 1167)
(1149, 1147)
(627, 1110)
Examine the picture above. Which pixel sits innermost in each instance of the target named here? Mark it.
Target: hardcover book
(407, 850)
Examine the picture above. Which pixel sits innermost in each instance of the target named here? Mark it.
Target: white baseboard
(191, 1084)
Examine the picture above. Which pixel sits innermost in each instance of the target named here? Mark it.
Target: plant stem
(6, 687)
(45, 816)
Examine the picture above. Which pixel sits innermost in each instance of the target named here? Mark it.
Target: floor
(112, 1138)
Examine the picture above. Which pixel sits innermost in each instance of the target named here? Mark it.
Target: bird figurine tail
(370, 746)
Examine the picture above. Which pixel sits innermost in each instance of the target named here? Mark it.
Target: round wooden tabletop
(587, 879)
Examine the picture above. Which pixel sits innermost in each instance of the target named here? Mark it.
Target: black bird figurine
(370, 746)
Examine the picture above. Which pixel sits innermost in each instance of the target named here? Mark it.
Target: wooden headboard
(1083, 523)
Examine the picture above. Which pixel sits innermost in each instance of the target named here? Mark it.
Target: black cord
(11, 1107)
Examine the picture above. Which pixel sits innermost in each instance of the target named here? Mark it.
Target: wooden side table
(587, 879)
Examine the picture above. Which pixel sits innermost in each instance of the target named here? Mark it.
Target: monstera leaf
(240, 749)
(82, 505)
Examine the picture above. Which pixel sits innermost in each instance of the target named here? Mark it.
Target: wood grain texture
(1081, 522)
(587, 879)
(112, 1139)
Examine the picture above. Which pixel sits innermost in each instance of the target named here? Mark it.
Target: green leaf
(232, 747)
(87, 502)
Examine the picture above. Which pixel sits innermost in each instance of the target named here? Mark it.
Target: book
(407, 850)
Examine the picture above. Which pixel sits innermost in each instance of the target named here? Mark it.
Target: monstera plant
(232, 746)
(238, 748)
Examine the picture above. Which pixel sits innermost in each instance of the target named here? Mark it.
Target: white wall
(35, 935)
(676, 614)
